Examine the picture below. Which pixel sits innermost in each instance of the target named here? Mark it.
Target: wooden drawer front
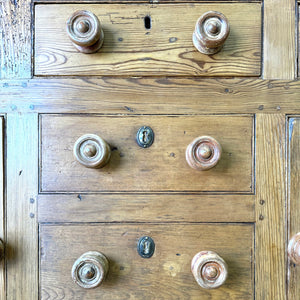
(159, 168)
(165, 49)
(166, 275)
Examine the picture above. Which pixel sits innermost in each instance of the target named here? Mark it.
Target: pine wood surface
(2, 213)
(26, 96)
(298, 41)
(293, 196)
(166, 49)
(279, 43)
(159, 168)
(166, 275)
(270, 232)
(21, 221)
(153, 2)
(150, 96)
(144, 208)
(15, 42)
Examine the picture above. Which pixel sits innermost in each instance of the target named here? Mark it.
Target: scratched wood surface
(166, 275)
(15, 42)
(145, 208)
(159, 168)
(294, 200)
(165, 49)
(270, 232)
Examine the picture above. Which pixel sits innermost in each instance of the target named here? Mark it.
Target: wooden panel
(127, 1)
(166, 275)
(150, 95)
(2, 212)
(21, 224)
(160, 168)
(166, 49)
(294, 196)
(279, 45)
(15, 42)
(298, 43)
(145, 208)
(270, 231)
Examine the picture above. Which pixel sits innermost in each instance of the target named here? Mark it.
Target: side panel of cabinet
(2, 213)
(21, 191)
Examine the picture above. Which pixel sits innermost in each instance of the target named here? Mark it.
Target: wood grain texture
(270, 234)
(153, 2)
(15, 42)
(159, 168)
(166, 49)
(22, 233)
(293, 197)
(167, 275)
(2, 213)
(298, 41)
(279, 54)
(150, 95)
(145, 208)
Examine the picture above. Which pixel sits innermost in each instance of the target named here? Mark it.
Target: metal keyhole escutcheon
(146, 247)
(145, 137)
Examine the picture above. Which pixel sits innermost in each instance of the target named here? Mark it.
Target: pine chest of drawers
(150, 150)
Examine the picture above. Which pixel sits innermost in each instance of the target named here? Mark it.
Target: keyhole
(147, 22)
(147, 248)
(145, 137)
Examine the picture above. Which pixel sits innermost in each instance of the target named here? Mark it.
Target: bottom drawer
(166, 275)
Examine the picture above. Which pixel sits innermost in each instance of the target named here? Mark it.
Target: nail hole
(147, 22)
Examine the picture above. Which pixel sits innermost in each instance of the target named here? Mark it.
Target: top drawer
(164, 49)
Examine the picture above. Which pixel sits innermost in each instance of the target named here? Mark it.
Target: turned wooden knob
(203, 153)
(294, 249)
(90, 269)
(85, 31)
(211, 32)
(209, 269)
(92, 151)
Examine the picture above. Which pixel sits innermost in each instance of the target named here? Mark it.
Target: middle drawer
(160, 168)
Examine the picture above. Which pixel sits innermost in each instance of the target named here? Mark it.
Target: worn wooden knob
(92, 151)
(203, 153)
(209, 269)
(211, 32)
(294, 249)
(85, 31)
(90, 269)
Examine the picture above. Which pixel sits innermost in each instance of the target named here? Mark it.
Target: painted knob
(85, 31)
(92, 151)
(211, 32)
(203, 153)
(294, 249)
(90, 269)
(209, 269)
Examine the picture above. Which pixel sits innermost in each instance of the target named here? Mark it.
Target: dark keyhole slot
(145, 136)
(147, 21)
